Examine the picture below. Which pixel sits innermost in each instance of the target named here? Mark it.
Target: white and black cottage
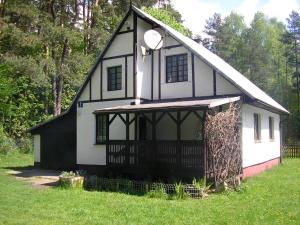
(141, 113)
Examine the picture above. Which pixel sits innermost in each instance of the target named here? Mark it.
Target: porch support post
(178, 123)
(204, 148)
(107, 137)
(127, 138)
(154, 137)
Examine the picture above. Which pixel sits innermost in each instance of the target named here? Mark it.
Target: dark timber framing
(101, 81)
(134, 53)
(118, 56)
(193, 74)
(152, 75)
(214, 83)
(126, 77)
(90, 87)
(125, 31)
(159, 74)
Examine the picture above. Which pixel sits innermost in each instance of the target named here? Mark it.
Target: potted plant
(71, 180)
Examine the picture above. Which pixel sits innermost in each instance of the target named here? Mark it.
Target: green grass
(271, 198)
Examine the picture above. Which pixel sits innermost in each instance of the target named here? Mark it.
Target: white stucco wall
(143, 63)
(258, 152)
(224, 87)
(87, 151)
(121, 45)
(37, 147)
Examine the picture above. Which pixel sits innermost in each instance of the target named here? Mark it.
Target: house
(143, 115)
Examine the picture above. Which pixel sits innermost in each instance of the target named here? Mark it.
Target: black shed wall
(58, 143)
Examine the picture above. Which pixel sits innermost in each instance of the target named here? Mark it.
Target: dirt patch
(36, 177)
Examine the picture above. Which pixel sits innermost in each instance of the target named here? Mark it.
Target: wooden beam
(197, 114)
(160, 117)
(193, 75)
(214, 83)
(126, 77)
(185, 116)
(171, 116)
(134, 53)
(122, 118)
(101, 81)
(112, 119)
(159, 74)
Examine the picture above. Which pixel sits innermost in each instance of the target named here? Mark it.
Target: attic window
(114, 78)
(176, 68)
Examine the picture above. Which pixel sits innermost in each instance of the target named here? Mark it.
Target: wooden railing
(292, 150)
(170, 155)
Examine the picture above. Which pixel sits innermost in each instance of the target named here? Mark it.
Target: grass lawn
(271, 198)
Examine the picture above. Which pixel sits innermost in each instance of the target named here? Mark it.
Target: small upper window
(257, 127)
(176, 68)
(101, 124)
(271, 128)
(114, 78)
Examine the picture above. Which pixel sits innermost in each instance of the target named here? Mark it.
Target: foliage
(167, 17)
(6, 143)
(180, 192)
(158, 192)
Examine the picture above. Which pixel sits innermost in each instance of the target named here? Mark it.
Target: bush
(180, 192)
(7, 144)
(25, 145)
(158, 192)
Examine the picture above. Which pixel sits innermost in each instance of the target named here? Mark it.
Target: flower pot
(71, 181)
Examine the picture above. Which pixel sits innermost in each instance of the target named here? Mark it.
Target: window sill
(114, 90)
(257, 141)
(175, 82)
(100, 143)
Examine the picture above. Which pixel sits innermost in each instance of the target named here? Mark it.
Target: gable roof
(222, 67)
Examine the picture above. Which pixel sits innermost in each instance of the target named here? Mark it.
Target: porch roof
(205, 103)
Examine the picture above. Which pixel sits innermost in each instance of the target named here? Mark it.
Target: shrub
(25, 145)
(158, 192)
(201, 187)
(180, 192)
(7, 144)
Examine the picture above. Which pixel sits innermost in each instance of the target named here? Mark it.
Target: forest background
(48, 46)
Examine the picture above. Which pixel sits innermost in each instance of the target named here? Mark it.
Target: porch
(161, 140)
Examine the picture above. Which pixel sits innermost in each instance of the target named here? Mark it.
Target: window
(114, 78)
(271, 128)
(257, 128)
(176, 68)
(101, 123)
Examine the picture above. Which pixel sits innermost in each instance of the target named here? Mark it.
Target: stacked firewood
(222, 132)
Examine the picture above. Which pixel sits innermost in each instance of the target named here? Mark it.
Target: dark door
(58, 150)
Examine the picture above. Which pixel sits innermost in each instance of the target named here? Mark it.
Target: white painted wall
(204, 85)
(37, 147)
(258, 152)
(223, 87)
(122, 44)
(87, 151)
(143, 63)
